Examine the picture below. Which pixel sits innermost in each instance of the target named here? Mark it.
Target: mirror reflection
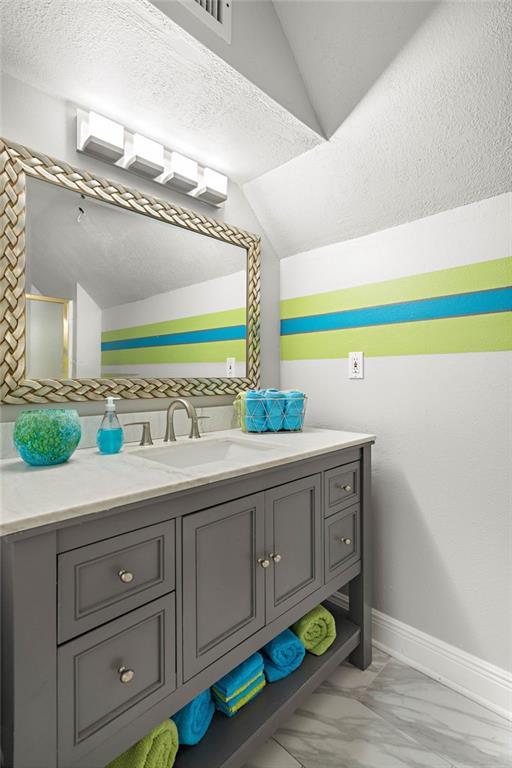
(114, 294)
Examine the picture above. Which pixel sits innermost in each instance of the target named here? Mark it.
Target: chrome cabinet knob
(346, 540)
(126, 576)
(126, 675)
(276, 557)
(264, 562)
(346, 488)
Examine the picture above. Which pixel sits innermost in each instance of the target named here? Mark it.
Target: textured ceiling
(126, 59)
(116, 255)
(432, 132)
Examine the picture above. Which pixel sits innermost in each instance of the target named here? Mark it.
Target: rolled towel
(237, 702)
(274, 404)
(156, 750)
(294, 409)
(194, 719)
(282, 656)
(255, 416)
(240, 678)
(317, 630)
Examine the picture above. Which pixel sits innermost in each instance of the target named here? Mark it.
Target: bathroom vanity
(131, 583)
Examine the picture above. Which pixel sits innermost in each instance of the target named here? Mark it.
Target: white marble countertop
(89, 482)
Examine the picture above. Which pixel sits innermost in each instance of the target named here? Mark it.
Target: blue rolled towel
(240, 678)
(194, 719)
(282, 655)
(255, 416)
(275, 406)
(294, 409)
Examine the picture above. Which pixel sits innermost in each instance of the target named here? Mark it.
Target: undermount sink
(190, 455)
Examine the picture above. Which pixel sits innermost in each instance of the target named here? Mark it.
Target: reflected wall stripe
(209, 352)
(478, 302)
(193, 323)
(231, 333)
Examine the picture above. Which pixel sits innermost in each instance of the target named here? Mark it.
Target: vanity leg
(360, 587)
(29, 652)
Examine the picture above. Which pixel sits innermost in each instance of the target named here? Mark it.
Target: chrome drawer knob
(264, 562)
(126, 577)
(346, 540)
(276, 557)
(346, 488)
(126, 675)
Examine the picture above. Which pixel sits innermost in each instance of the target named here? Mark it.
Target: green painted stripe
(476, 333)
(496, 273)
(194, 323)
(210, 352)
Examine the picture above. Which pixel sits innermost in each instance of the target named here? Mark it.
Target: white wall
(87, 324)
(442, 461)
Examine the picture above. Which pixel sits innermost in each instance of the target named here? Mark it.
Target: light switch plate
(230, 367)
(356, 365)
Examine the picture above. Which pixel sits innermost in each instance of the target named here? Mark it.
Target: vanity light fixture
(144, 155)
(97, 135)
(104, 138)
(213, 187)
(183, 173)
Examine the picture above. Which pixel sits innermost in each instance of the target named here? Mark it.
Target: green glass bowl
(47, 436)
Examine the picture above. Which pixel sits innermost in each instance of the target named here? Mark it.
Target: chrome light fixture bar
(108, 140)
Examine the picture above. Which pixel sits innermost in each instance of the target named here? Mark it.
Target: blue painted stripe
(459, 305)
(186, 337)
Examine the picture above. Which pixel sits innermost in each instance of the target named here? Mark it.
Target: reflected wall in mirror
(142, 298)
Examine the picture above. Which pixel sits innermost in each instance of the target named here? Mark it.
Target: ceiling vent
(216, 14)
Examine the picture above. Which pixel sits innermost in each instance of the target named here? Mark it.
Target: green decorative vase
(47, 436)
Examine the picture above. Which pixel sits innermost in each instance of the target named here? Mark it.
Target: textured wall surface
(136, 65)
(442, 472)
(431, 133)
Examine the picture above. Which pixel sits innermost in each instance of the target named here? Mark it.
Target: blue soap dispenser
(109, 437)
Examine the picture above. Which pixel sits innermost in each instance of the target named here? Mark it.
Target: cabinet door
(293, 529)
(223, 583)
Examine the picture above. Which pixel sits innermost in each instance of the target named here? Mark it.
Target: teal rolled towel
(282, 655)
(193, 720)
(293, 418)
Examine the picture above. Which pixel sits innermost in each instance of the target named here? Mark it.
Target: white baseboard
(479, 680)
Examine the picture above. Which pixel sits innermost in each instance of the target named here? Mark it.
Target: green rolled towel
(316, 630)
(156, 750)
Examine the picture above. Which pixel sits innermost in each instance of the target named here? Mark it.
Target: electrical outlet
(356, 365)
(230, 367)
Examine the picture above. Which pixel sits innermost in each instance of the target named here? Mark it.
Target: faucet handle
(202, 418)
(146, 438)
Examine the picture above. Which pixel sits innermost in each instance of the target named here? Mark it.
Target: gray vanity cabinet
(223, 582)
(293, 534)
(136, 610)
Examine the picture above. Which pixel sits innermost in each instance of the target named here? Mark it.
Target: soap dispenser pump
(109, 438)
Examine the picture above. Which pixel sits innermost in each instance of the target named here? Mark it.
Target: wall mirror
(109, 291)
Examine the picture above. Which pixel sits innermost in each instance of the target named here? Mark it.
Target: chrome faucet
(180, 402)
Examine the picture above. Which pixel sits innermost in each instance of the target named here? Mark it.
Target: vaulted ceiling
(350, 117)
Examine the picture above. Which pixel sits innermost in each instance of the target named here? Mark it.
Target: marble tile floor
(389, 716)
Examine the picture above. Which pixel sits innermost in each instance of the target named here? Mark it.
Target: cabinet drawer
(101, 581)
(342, 541)
(93, 698)
(341, 487)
